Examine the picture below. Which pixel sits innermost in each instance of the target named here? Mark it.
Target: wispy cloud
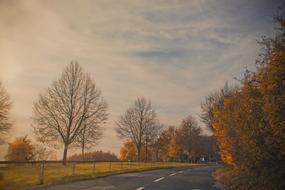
(174, 52)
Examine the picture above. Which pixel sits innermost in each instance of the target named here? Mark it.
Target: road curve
(186, 178)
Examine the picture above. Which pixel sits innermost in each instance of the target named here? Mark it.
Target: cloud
(174, 52)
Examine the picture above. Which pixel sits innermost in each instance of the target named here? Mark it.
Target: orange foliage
(225, 144)
(128, 151)
(20, 150)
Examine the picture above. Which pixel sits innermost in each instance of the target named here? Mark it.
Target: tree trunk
(139, 152)
(83, 143)
(83, 150)
(156, 154)
(146, 151)
(64, 154)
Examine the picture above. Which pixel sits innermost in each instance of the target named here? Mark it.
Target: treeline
(249, 121)
(71, 112)
(22, 149)
(5, 106)
(184, 143)
(95, 156)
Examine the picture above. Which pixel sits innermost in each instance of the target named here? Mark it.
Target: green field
(23, 176)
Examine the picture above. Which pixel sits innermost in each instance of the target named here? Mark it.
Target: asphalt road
(188, 178)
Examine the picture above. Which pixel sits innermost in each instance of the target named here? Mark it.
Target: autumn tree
(128, 151)
(5, 105)
(21, 150)
(173, 150)
(249, 122)
(166, 144)
(264, 92)
(136, 123)
(207, 107)
(150, 138)
(71, 107)
(214, 116)
(211, 102)
(158, 147)
(188, 136)
(183, 143)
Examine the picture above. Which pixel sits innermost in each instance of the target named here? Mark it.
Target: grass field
(24, 176)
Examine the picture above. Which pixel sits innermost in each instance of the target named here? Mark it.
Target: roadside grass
(25, 176)
(235, 178)
(224, 174)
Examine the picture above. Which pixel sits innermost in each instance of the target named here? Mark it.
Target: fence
(31, 173)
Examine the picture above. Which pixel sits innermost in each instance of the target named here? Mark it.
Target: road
(187, 178)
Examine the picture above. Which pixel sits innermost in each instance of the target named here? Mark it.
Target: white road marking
(159, 179)
(180, 172)
(173, 174)
(140, 188)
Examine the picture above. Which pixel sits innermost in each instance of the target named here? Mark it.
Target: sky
(173, 52)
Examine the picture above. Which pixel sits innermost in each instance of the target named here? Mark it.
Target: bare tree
(5, 106)
(71, 105)
(136, 123)
(42, 152)
(91, 134)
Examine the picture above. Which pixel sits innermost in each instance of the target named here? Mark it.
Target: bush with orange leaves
(21, 150)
